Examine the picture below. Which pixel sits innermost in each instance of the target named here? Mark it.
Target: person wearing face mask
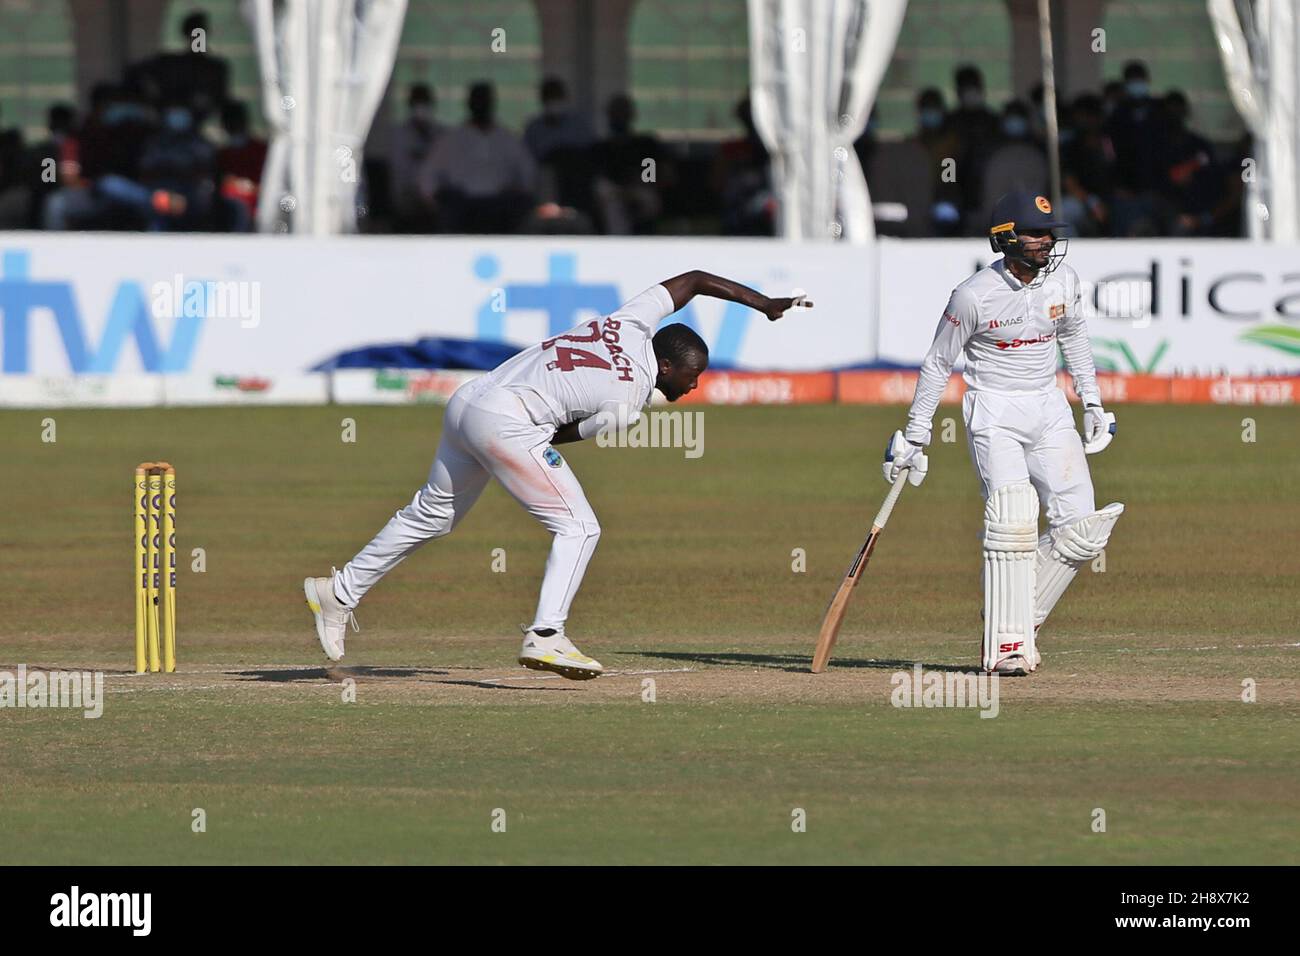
(937, 137)
(976, 128)
(1135, 129)
(413, 141)
(1018, 162)
(178, 161)
(558, 126)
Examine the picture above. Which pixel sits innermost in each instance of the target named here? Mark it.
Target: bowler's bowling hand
(775, 308)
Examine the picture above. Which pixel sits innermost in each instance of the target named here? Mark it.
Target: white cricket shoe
(332, 617)
(556, 653)
(1013, 665)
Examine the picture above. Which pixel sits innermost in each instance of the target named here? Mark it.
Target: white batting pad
(1066, 551)
(1010, 557)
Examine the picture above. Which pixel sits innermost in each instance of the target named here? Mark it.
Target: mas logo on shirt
(1056, 311)
(552, 458)
(1003, 323)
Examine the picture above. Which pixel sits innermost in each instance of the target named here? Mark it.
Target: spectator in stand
(1038, 114)
(1112, 94)
(900, 200)
(936, 136)
(559, 126)
(178, 161)
(976, 129)
(15, 192)
(193, 78)
(413, 143)
(1017, 163)
(1192, 182)
(742, 181)
(480, 177)
(1136, 129)
(560, 141)
(1087, 161)
(52, 163)
(629, 202)
(240, 160)
(1229, 213)
(107, 150)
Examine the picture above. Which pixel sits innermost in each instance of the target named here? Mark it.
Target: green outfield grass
(1137, 710)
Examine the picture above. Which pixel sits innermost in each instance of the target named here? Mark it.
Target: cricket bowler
(504, 425)
(1007, 320)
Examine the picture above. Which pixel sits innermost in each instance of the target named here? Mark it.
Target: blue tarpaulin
(433, 353)
(439, 353)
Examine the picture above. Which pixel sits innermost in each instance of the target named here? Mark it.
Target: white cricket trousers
(1030, 436)
(488, 433)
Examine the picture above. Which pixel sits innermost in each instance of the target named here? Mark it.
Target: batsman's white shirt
(500, 425)
(1019, 425)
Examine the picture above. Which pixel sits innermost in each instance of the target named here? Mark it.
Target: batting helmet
(1017, 213)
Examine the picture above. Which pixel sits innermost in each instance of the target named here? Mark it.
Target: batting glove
(901, 453)
(1098, 428)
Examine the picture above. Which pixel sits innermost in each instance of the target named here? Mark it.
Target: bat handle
(891, 499)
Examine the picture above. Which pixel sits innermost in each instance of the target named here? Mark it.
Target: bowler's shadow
(338, 674)
(792, 663)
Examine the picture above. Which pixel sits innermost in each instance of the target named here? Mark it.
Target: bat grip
(891, 499)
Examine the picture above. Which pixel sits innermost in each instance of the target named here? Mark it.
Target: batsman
(1007, 320)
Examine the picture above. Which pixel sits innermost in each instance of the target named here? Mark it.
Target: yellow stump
(140, 491)
(154, 520)
(169, 567)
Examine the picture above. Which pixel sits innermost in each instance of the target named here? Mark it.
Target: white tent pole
(1049, 100)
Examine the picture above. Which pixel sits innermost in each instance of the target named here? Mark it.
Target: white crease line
(674, 670)
(1140, 650)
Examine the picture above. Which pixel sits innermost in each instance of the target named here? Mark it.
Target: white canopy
(815, 68)
(1263, 75)
(324, 66)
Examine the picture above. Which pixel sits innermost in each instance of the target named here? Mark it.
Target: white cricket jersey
(1009, 333)
(605, 365)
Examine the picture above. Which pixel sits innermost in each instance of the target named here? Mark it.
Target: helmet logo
(1042, 204)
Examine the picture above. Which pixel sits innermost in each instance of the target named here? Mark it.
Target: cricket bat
(840, 603)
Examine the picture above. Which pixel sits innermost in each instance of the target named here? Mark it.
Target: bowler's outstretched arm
(688, 285)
